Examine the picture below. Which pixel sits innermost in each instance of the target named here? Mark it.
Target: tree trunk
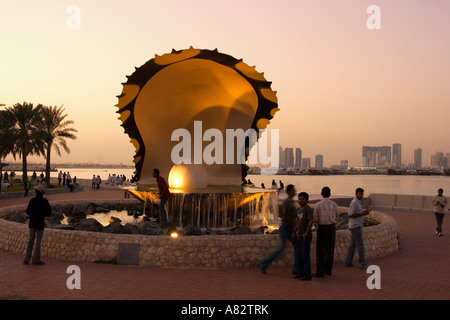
(47, 165)
(24, 164)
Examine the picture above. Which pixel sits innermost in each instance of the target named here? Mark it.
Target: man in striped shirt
(326, 215)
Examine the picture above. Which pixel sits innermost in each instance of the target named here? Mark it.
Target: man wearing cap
(38, 208)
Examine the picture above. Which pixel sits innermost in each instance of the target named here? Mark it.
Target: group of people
(116, 179)
(65, 179)
(296, 227)
(274, 186)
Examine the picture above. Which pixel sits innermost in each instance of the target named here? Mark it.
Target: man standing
(439, 203)
(288, 222)
(303, 236)
(38, 208)
(326, 215)
(164, 194)
(355, 223)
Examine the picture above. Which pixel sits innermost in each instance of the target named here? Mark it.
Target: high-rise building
(282, 158)
(306, 163)
(298, 158)
(418, 158)
(289, 158)
(397, 155)
(319, 161)
(438, 161)
(376, 156)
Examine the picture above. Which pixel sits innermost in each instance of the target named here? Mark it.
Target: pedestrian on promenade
(59, 177)
(288, 222)
(164, 195)
(27, 186)
(38, 208)
(326, 215)
(302, 237)
(355, 223)
(439, 203)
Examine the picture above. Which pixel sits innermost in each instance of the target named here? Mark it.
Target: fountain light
(174, 235)
(187, 177)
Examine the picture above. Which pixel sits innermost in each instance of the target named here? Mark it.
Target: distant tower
(418, 158)
(306, 163)
(298, 158)
(282, 158)
(319, 161)
(397, 155)
(289, 158)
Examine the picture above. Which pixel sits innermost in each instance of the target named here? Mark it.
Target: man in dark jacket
(38, 208)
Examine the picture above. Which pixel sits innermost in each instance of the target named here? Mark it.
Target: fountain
(183, 112)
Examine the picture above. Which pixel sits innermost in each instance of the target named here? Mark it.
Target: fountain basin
(211, 251)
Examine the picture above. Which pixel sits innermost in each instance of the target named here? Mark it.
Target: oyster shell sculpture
(181, 90)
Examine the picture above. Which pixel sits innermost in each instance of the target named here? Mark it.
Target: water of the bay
(341, 185)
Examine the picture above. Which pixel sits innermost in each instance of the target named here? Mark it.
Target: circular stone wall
(210, 251)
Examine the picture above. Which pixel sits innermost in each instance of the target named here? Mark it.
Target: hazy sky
(340, 84)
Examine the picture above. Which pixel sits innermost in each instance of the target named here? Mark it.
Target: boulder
(90, 224)
(101, 210)
(132, 228)
(115, 227)
(151, 228)
(81, 210)
(18, 216)
(56, 216)
(242, 230)
(191, 230)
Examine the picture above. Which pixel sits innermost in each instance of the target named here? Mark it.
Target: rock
(81, 210)
(242, 230)
(115, 227)
(191, 230)
(343, 222)
(114, 219)
(132, 228)
(151, 228)
(56, 216)
(101, 210)
(260, 230)
(90, 224)
(18, 216)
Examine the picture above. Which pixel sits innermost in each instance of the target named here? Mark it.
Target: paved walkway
(420, 270)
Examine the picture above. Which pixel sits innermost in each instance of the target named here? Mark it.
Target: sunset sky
(340, 85)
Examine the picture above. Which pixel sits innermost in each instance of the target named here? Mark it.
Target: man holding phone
(355, 223)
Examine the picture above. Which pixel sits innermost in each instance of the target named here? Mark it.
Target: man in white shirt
(355, 223)
(326, 214)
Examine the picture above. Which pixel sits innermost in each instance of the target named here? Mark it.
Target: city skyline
(340, 84)
(382, 157)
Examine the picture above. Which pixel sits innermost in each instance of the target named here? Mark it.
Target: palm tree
(55, 130)
(20, 134)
